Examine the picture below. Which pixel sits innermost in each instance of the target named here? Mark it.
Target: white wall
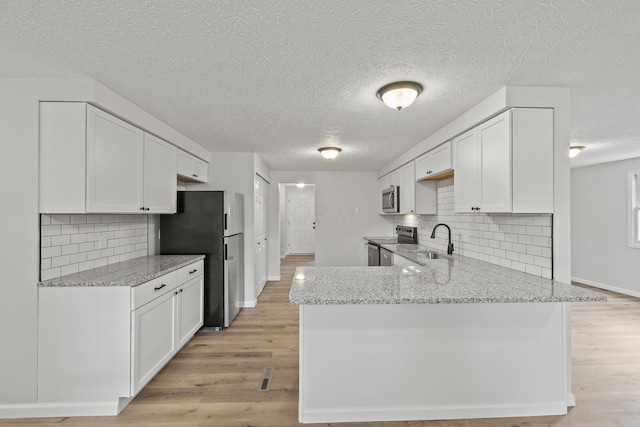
(599, 228)
(346, 211)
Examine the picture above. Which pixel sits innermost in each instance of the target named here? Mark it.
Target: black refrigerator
(210, 223)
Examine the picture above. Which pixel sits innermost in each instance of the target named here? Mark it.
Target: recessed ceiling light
(574, 150)
(399, 95)
(329, 152)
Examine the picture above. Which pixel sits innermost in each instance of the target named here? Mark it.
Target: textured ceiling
(283, 78)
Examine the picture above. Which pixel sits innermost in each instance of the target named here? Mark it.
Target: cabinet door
(466, 181)
(153, 339)
(159, 175)
(114, 164)
(423, 166)
(190, 309)
(441, 158)
(200, 170)
(407, 183)
(495, 164)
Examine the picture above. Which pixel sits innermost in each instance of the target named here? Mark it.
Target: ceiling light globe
(574, 150)
(329, 152)
(399, 95)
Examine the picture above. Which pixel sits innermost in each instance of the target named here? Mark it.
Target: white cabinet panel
(190, 306)
(153, 339)
(159, 175)
(115, 152)
(190, 168)
(434, 162)
(494, 138)
(466, 194)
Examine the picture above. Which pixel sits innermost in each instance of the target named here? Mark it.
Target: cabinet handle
(180, 290)
(160, 287)
(194, 175)
(193, 271)
(146, 209)
(175, 293)
(142, 208)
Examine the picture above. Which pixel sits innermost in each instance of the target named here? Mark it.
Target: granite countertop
(449, 279)
(127, 273)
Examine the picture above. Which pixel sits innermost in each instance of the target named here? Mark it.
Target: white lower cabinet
(188, 298)
(153, 339)
(105, 343)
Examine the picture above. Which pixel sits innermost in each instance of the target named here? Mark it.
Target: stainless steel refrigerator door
(233, 277)
(233, 213)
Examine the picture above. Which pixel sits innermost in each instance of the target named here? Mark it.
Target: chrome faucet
(433, 236)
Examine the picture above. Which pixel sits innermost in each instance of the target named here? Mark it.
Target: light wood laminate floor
(213, 381)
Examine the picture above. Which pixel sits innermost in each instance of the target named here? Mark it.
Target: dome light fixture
(300, 185)
(574, 150)
(329, 152)
(399, 95)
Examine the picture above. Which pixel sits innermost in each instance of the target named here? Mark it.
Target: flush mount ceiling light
(329, 152)
(300, 185)
(574, 150)
(399, 95)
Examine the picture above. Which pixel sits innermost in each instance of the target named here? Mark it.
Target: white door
(261, 189)
(302, 223)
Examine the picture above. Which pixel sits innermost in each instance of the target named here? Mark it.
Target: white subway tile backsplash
(69, 242)
(518, 241)
(45, 242)
(59, 219)
(50, 230)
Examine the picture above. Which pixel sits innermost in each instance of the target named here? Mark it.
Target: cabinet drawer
(148, 291)
(190, 271)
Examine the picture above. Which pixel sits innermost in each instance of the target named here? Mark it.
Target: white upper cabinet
(159, 175)
(434, 163)
(406, 179)
(93, 162)
(190, 168)
(506, 164)
(115, 154)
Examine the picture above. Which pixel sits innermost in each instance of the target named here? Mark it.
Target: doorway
(300, 219)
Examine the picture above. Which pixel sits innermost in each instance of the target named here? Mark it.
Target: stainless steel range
(381, 256)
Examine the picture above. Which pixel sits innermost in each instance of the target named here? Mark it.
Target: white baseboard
(430, 413)
(249, 304)
(61, 409)
(274, 278)
(607, 287)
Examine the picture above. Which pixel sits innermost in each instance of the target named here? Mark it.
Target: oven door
(390, 200)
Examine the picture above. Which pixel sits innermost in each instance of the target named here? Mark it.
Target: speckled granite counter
(446, 280)
(127, 273)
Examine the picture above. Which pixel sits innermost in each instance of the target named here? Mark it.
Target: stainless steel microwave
(391, 199)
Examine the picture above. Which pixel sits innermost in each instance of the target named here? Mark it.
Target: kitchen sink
(425, 253)
(428, 255)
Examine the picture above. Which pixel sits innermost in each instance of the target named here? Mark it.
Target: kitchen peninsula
(453, 338)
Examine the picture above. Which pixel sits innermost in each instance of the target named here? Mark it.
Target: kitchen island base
(392, 362)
